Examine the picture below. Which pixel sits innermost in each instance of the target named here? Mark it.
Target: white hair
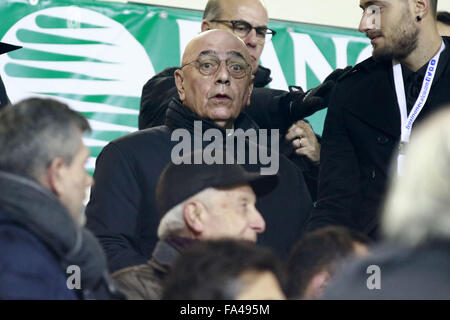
(418, 205)
(173, 222)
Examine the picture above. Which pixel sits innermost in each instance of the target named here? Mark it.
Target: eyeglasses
(242, 28)
(208, 65)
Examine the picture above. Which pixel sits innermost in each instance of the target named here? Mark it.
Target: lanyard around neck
(407, 121)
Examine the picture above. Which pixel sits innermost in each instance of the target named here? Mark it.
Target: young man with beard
(375, 106)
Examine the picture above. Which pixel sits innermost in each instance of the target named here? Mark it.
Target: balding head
(253, 12)
(220, 95)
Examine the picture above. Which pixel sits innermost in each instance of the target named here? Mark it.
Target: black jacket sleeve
(113, 210)
(156, 95)
(338, 193)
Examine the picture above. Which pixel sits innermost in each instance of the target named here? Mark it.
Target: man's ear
(194, 215)
(421, 7)
(250, 90)
(206, 25)
(55, 174)
(317, 286)
(179, 78)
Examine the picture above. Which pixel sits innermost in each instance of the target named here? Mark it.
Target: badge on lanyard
(407, 121)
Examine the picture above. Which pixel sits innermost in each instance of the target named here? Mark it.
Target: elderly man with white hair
(214, 202)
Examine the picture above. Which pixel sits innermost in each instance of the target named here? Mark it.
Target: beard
(400, 43)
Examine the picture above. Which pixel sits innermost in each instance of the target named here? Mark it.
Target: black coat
(122, 211)
(360, 138)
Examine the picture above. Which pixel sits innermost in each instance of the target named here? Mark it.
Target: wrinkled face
(232, 214)
(260, 285)
(218, 96)
(251, 11)
(391, 27)
(74, 182)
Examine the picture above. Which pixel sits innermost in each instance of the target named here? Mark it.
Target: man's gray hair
(418, 205)
(35, 131)
(173, 223)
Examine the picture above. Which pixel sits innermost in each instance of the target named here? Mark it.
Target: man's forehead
(221, 45)
(251, 11)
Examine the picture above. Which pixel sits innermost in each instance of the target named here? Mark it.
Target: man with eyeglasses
(269, 108)
(214, 84)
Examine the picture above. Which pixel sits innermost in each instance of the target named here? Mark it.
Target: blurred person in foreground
(43, 183)
(212, 202)
(316, 258)
(415, 261)
(225, 270)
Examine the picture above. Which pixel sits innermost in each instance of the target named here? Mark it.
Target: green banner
(96, 56)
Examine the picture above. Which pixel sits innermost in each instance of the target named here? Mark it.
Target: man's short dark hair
(210, 270)
(444, 17)
(316, 251)
(213, 10)
(35, 131)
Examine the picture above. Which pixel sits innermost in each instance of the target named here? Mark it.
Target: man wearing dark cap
(214, 202)
(4, 48)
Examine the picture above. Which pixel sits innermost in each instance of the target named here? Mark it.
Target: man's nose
(371, 19)
(222, 74)
(257, 222)
(251, 39)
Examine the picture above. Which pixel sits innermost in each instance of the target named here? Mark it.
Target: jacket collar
(262, 77)
(180, 116)
(168, 250)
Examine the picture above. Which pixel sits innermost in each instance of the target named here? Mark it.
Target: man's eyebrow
(236, 54)
(207, 53)
(368, 4)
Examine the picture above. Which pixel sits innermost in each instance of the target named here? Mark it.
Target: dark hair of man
(210, 270)
(35, 131)
(212, 10)
(316, 251)
(444, 17)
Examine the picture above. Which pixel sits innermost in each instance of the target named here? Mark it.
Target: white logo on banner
(72, 52)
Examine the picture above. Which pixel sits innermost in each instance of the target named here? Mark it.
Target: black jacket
(360, 138)
(122, 212)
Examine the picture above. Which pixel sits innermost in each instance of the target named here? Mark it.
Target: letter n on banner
(306, 52)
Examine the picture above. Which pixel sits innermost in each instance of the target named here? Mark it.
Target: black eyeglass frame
(249, 26)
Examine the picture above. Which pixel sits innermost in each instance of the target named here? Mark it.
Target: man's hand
(303, 104)
(304, 140)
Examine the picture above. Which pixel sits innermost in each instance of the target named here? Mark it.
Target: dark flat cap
(5, 47)
(180, 182)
